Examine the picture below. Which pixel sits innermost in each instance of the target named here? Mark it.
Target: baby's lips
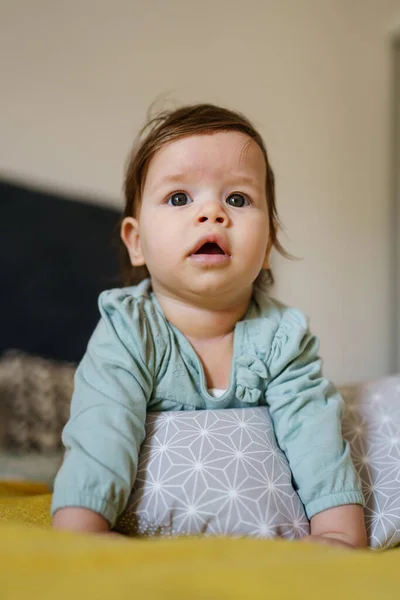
(211, 239)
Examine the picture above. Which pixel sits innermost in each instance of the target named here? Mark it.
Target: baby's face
(203, 222)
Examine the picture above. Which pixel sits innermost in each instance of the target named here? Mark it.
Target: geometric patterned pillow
(213, 472)
(371, 425)
(221, 472)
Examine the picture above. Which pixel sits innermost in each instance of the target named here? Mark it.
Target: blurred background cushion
(35, 395)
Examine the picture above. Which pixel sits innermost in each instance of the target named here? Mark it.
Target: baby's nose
(214, 212)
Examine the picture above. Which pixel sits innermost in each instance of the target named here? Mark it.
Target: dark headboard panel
(56, 255)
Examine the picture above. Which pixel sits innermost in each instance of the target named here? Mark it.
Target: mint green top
(137, 361)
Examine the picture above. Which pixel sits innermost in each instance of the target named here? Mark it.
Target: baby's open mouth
(210, 248)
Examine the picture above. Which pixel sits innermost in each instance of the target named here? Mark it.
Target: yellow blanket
(36, 562)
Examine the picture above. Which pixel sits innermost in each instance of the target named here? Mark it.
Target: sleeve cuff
(85, 500)
(339, 499)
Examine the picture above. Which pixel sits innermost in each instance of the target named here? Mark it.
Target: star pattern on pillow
(218, 472)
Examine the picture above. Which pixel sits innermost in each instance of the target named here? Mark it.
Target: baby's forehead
(223, 152)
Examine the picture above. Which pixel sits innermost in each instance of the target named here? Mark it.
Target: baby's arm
(344, 524)
(107, 423)
(80, 519)
(306, 411)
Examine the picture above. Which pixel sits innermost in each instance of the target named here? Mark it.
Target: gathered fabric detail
(281, 340)
(250, 373)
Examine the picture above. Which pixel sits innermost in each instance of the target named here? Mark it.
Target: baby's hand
(340, 526)
(328, 540)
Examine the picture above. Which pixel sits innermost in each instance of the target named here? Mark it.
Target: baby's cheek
(256, 241)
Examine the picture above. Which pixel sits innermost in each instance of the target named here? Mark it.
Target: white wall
(314, 75)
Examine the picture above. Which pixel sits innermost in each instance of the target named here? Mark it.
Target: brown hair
(171, 125)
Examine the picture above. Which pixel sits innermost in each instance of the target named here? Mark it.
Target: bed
(56, 255)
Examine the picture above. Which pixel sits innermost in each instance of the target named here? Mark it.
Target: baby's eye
(237, 200)
(179, 199)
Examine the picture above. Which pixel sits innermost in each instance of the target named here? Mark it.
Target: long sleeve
(306, 411)
(107, 424)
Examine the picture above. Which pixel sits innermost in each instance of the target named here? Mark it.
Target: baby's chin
(210, 290)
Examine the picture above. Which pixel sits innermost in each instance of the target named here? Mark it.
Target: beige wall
(314, 75)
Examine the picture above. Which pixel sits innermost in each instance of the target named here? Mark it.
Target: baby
(199, 330)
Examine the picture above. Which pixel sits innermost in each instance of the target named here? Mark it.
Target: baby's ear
(131, 238)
